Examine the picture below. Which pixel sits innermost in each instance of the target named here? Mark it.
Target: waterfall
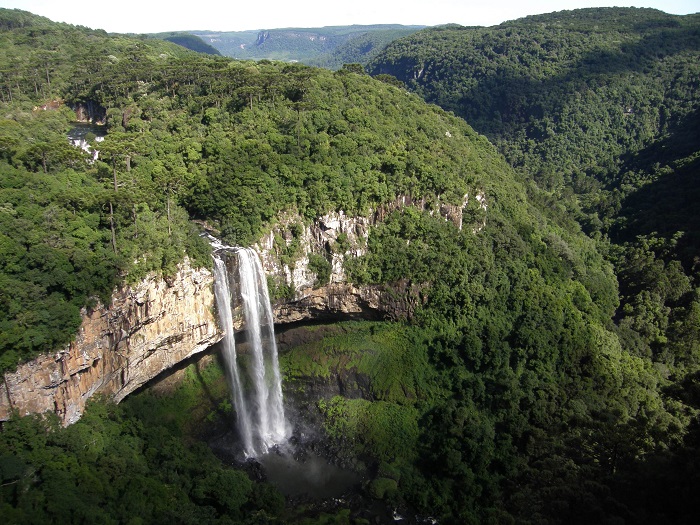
(222, 292)
(257, 391)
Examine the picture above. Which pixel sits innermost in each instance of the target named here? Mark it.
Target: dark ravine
(90, 112)
(309, 470)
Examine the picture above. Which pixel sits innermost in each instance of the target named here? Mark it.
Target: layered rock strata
(146, 329)
(150, 327)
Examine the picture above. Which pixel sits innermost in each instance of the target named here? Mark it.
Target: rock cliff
(152, 326)
(146, 329)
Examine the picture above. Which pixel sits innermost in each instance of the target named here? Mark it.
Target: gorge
(483, 333)
(152, 326)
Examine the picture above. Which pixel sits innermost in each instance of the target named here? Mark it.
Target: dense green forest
(139, 462)
(599, 108)
(526, 387)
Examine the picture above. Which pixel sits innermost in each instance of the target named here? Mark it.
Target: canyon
(155, 324)
(151, 326)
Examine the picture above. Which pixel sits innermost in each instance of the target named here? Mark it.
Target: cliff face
(150, 327)
(90, 112)
(335, 237)
(146, 329)
(286, 253)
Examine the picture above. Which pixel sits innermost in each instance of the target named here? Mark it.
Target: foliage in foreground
(520, 381)
(134, 463)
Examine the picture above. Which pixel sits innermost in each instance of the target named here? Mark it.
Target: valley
(479, 251)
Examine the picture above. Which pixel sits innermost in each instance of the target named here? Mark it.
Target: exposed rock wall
(335, 298)
(321, 237)
(337, 236)
(151, 327)
(146, 329)
(90, 111)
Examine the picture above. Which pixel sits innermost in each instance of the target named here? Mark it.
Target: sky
(152, 16)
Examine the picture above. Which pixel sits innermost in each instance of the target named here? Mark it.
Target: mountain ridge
(314, 46)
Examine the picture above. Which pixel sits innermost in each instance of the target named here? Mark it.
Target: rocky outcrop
(90, 112)
(146, 329)
(334, 237)
(342, 301)
(322, 238)
(286, 253)
(150, 327)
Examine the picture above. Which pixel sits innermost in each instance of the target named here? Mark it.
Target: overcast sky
(151, 16)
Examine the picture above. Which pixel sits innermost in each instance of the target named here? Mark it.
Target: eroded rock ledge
(146, 329)
(341, 301)
(150, 327)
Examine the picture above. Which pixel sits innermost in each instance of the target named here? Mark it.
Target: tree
(353, 68)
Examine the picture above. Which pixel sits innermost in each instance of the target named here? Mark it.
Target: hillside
(191, 42)
(600, 109)
(60, 251)
(508, 395)
(329, 47)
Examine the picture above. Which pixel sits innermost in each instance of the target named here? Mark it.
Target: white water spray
(257, 394)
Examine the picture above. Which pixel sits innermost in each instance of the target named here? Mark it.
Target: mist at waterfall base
(264, 436)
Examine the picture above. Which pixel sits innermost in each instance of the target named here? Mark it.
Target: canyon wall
(335, 237)
(146, 329)
(152, 326)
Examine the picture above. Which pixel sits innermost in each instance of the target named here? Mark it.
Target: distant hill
(599, 108)
(329, 47)
(189, 41)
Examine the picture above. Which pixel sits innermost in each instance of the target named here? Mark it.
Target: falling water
(222, 291)
(259, 406)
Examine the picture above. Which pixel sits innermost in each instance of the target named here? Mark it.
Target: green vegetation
(234, 143)
(71, 229)
(527, 386)
(517, 363)
(189, 41)
(388, 359)
(599, 108)
(139, 462)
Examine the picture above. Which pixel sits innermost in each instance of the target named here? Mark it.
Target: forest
(599, 108)
(550, 371)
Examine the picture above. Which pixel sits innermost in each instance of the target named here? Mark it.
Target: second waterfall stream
(239, 281)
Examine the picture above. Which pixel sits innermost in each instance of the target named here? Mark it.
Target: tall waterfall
(257, 391)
